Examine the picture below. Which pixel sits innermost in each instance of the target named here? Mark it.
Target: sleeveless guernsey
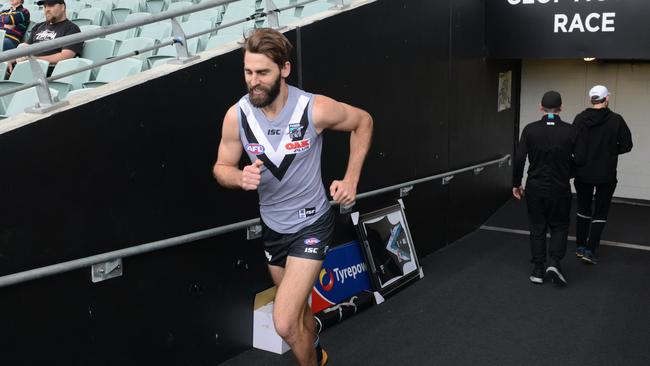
(291, 191)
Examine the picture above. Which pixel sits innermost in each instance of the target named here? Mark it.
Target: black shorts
(311, 242)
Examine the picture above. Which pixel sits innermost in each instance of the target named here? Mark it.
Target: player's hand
(343, 192)
(251, 176)
(518, 192)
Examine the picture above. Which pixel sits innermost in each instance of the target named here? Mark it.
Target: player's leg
(290, 312)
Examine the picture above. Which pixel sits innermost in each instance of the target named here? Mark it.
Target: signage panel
(611, 29)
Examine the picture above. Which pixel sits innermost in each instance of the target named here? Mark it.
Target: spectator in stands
(606, 135)
(14, 21)
(552, 147)
(56, 25)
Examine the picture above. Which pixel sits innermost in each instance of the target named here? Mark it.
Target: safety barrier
(58, 268)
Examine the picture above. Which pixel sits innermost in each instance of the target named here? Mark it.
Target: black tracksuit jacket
(605, 135)
(553, 148)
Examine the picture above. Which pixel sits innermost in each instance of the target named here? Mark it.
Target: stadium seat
(158, 31)
(195, 26)
(136, 44)
(84, 28)
(21, 74)
(23, 99)
(128, 33)
(123, 8)
(3, 70)
(180, 5)
(237, 11)
(89, 16)
(156, 6)
(220, 39)
(77, 5)
(98, 49)
(212, 15)
(169, 52)
(115, 71)
(107, 8)
(75, 81)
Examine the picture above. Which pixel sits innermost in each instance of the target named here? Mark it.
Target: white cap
(598, 93)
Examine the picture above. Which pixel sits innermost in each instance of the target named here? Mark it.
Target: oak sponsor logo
(294, 147)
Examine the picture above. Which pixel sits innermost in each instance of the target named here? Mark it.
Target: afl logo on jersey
(255, 149)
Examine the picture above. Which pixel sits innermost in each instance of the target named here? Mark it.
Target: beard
(268, 97)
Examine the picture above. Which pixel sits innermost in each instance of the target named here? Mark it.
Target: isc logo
(311, 250)
(274, 132)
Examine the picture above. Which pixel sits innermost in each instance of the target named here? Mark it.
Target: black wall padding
(135, 167)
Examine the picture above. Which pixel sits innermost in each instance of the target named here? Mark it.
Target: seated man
(56, 25)
(14, 22)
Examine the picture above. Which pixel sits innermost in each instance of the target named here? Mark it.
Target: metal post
(273, 16)
(45, 100)
(180, 43)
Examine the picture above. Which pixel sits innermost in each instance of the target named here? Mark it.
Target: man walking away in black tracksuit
(605, 135)
(550, 145)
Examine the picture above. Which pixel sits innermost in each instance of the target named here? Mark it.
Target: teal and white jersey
(291, 191)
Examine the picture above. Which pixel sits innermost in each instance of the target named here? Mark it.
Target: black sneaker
(555, 273)
(580, 251)
(589, 257)
(537, 276)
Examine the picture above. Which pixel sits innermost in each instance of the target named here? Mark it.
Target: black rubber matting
(626, 223)
(476, 306)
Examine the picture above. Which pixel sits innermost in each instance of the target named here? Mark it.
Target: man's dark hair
(270, 43)
(551, 110)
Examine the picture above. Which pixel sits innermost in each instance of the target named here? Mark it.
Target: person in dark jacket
(552, 147)
(14, 22)
(605, 135)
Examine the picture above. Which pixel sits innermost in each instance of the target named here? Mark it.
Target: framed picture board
(388, 248)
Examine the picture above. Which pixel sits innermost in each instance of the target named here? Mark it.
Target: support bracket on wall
(104, 271)
(253, 232)
(404, 191)
(447, 179)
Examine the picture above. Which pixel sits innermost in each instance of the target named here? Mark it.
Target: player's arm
(226, 169)
(327, 113)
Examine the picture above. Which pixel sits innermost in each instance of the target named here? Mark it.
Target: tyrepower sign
(343, 275)
(567, 28)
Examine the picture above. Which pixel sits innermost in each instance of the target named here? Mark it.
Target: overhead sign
(568, 29)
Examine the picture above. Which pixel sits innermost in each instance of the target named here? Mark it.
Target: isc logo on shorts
(311, 250)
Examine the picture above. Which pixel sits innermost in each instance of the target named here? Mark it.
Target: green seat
(156, 6)
(136, 44)
(180, 5)
(88, 16)
(22, 74)
(115, 71)
(195, 26)
(221, 39)
(22, 100)
(123, 8)
(158, 31)
(75, 81)
(128, 33)
(97, 50)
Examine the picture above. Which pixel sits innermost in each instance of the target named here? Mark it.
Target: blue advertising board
(344, 274)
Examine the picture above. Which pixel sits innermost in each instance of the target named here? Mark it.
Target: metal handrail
(33, 274)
